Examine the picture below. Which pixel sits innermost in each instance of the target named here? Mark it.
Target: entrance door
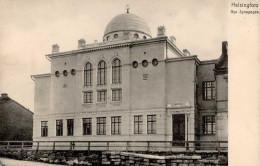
(178, 129)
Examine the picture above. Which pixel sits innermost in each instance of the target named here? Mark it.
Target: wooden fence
(177, 146)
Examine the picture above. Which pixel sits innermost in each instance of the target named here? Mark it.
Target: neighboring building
(16, 121)
(132, 87)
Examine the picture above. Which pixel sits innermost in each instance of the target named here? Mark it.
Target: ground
(13, 162)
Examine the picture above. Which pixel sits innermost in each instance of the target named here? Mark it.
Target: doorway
(178, 129)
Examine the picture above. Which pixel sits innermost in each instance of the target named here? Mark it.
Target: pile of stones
(136, 159)
(57, 157)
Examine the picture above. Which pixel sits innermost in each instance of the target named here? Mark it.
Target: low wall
(136, 159)
(97, 158)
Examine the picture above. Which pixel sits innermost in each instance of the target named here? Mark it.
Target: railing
(177, 146)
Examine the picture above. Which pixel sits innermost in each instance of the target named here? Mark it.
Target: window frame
(117, 95)
(101, 121)
(87, 99)
(208, 125)
(87, 124)
(139, 124)
(208, 87)
(99, 96)
(44, 129)
(116, 71)
(102, 73)
(88, 74)
(59, 127)
(70, 127)
(151, 124)
(115, 125)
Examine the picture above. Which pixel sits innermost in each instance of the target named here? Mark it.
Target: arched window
(102, 72)
(116, 71)
(88, 72)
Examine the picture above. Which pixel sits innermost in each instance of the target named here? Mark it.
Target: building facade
(131, 86)
(16, 118)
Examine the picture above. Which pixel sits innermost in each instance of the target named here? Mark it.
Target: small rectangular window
(102, 96)
(116, 94)
(151, 124)
(208, 90)
(59, 128)
(208, 125)
(70, 127)
(44, 128)
(88, 97)
(116, 125)
(138, 124)
(87, 126)
(101, 126)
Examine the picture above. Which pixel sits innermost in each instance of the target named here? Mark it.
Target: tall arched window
(102, 72)
(116, 71)
(88, 72)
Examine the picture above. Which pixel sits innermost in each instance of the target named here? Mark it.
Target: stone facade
(167, 84)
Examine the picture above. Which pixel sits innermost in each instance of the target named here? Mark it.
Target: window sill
(87, 86)
(208, 134)
(116, 83)
(87, 103)
(119, 101)
(208, 99)
(101, 103)
(101, 85)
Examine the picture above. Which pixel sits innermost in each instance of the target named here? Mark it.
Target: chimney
(186, 52)
(173, 40)
(161, 31)
(81, 43)
(4, 95)
(55, 48)
(225, 48)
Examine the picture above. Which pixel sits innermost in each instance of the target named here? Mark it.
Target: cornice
(113, 44)
(193, 57)
(41, 75)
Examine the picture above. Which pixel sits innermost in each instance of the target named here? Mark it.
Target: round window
(136, 36)
(73, 72)
(144, 37)
(57, 73)
(65, 72)
(135, 64)
(115, 36)
(145, 63)
(155, 62)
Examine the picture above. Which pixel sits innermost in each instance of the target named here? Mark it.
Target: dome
(127, 22)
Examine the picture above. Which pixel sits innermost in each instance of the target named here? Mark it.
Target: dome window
(107, 38)
(115, 36)
(145, 63)
(57, 73)
(65, 72)
(144, 37)
(135, 64)
(73, 72)
(136, 36)
(155, 62)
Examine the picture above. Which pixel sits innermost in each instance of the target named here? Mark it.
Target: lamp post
(187, 144)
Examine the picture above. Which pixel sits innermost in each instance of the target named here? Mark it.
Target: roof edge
(41, 75)
(212, 61)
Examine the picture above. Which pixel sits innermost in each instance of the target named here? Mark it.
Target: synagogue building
(131, 86)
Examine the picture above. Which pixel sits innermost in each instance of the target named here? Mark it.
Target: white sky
(28, 29)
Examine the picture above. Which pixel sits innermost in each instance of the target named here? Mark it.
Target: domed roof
(127, 22)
